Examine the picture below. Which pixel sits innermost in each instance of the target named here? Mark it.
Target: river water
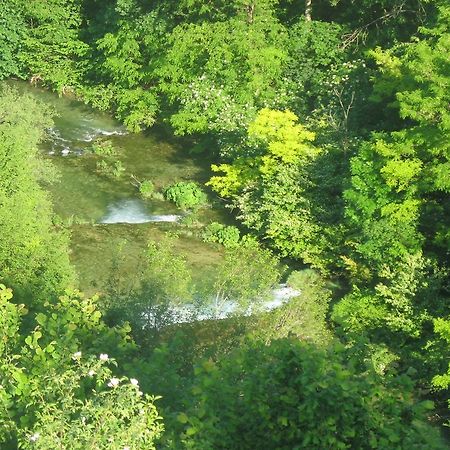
(110, 223)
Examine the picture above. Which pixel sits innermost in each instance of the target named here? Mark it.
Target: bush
(228, 236)
(186, 195)
(191, 220)
(290, 395)
(304, 315)
(147, 189)
(59, 387)
(103, 148)
(114, 170)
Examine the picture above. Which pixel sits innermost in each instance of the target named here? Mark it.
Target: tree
(12, 33)
(33, 254)
(269, 181)
(242, 281)
(51, 46)
(397, 204)
(290, 395)
(216, 74)
(163, 289)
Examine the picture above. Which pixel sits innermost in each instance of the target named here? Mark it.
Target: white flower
(134, 382)
(35, 437)
(126, 448)
(91, 373)
(76, 355)
(113, 382)
(103, 357)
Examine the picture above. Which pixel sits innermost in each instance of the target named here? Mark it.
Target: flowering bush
(86, 407)
(55, 396)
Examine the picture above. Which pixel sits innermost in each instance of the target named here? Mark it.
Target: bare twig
(355, 35)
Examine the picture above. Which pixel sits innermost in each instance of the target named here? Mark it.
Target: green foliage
(51, 46)
(109, 416)
(12, 32)
(275, 138)
(442, 327)
(33, 254)
(442, 381)
(303, 316)
(228, 236)
(165, 285)
(314, 51)
(110, 169)
(243, 280)
(186, 195)
(396, 241)
(103, 148)
(218, 73)
(121, 65)
(359, 190)
(146, 189)
(55, 396)
(270, 185)
(289, 395)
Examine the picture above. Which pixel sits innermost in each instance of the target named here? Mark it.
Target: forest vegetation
(328, 125)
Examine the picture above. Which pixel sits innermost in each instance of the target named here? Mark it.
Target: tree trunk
(308, 10)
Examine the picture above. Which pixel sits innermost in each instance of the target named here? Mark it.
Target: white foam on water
(90, 135)
(133, 211)
(84, 133)
(164, 218)
(280, 295)
(190, 313)
(55, 136)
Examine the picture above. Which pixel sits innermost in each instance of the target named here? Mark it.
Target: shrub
(114, 170)
(103, 148)
(186, 195)
(290, 395)
(147, 189)
(191, 220)
(58, 388)
(228, 236)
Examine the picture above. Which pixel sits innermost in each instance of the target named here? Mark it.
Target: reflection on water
(134, 211)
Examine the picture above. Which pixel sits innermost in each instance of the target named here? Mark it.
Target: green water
(83, 197)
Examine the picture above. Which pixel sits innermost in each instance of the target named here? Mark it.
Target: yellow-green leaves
(285, 138)
(275, 137)
(399, 173)
(235, 176)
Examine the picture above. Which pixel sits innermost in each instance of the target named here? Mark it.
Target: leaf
(182, 418)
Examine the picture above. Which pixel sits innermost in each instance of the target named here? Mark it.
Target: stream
(107, 218)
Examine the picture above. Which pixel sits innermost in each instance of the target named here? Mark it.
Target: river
(110, 224)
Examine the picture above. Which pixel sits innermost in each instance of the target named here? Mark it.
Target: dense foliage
(33, 254)
(329, 128)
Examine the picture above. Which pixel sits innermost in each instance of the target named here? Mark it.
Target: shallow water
(83, 197)
(110, 223)
(87, 194)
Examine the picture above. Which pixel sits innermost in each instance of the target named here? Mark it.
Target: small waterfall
(189, 312)
(134, 211)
